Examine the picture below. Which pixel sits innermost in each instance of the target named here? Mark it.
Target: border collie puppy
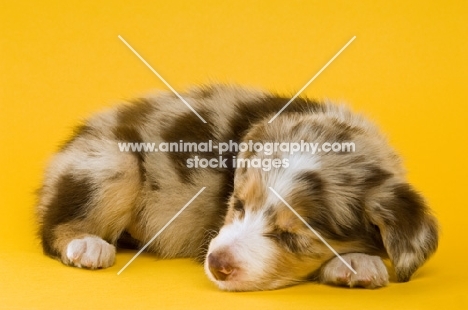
(128, 170)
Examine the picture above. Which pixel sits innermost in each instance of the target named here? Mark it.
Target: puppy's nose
(219, 266)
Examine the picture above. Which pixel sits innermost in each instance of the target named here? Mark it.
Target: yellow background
(60, 61)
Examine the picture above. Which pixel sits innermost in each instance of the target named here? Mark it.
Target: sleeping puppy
(127, 171)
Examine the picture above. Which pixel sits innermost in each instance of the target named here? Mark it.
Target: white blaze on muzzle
(240, 253)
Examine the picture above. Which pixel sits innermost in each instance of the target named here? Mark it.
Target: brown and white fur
(94, 195)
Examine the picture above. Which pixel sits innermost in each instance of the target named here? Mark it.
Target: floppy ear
(409, 232)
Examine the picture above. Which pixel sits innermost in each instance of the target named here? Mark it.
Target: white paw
(90, 252)
(370, 271)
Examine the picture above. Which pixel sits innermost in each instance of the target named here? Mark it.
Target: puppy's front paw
(90, 252)
(370, 271)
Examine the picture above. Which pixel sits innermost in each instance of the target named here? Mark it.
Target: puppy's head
(263, 244)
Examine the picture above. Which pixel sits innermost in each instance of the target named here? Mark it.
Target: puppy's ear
(409, 232)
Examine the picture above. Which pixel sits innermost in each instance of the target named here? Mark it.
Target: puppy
(127, 171)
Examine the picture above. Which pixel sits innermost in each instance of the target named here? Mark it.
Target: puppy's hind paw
(90, 252)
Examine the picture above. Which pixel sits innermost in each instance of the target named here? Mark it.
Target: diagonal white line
(313, 230)
(161, 230)
(162, 79)
(312, 79)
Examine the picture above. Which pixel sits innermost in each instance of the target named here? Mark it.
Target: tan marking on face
(252, 191)
(288, 221)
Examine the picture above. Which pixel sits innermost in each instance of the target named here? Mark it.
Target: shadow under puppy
(95, 191)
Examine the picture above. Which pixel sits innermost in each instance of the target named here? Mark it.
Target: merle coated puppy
(99, 189)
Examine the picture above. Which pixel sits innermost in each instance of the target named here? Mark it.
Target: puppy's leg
(370, 271)
(87, 201)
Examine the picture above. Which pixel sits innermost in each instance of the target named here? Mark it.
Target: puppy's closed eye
(286, 239)
(239, 207)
